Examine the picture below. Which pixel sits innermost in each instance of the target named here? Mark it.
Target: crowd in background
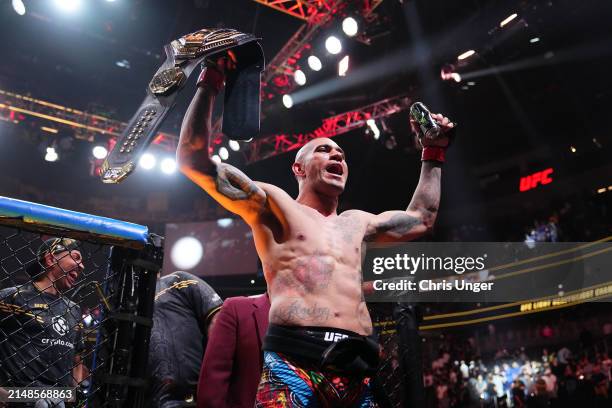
(565, 377)
(578, 218)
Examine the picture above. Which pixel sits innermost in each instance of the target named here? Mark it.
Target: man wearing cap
(40, 329)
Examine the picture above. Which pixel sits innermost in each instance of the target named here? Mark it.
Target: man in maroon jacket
(231, 368)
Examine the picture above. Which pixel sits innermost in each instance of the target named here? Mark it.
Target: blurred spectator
(518, 394)
(601, 392)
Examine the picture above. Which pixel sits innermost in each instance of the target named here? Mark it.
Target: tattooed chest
(345, 233)
(306, 274)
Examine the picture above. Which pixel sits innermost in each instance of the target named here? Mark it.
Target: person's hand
(443, 139)
(215, 70)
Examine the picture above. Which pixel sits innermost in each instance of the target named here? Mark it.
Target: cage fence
(76, 300)
(399, 381)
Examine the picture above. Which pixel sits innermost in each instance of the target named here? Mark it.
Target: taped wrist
(212, 79)
(433, 153)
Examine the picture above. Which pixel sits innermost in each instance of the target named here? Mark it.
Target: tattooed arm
(418, 218)
(226, 184)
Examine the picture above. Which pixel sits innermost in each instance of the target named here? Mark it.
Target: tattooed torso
(312, 265)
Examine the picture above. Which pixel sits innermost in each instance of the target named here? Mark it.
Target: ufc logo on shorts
(331, 336)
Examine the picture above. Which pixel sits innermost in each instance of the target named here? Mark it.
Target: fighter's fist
(215, 70)
(442, 139)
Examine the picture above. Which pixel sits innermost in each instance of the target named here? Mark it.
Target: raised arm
(225, 183)
(420, 216)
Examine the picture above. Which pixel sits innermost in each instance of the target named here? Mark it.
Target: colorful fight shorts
(296, 372)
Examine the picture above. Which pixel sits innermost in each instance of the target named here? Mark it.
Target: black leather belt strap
(242, 99)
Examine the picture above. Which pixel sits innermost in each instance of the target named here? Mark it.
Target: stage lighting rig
(68, 5)
(168, 165)
(314, 63)
(300, 77)
(19, 7)
(333, 45)
(287, 101)
(350, 26)
(147, 161)
(99, 152)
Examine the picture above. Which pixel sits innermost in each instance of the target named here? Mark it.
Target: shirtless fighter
(317, 350)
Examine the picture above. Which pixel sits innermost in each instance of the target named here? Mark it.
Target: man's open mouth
(335, 168)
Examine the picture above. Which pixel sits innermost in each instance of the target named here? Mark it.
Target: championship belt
(242, 99)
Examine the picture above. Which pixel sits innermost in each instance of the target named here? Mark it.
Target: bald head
(310, 146)
(320, 166)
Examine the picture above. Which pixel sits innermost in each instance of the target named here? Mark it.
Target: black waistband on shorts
(324, 347)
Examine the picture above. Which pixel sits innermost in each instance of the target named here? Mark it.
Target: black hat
(50, 246)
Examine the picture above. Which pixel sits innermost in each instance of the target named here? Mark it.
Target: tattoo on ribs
(297, 310)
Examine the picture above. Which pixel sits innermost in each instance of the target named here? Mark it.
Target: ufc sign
(532, 181)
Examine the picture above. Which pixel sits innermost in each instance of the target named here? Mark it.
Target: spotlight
(68, 5)
(456, 77)
(299, 76)
(573, 149)
(168, 165)
(446, 72)
(147, 161)
(375, 130)
(215, 158)
(350, 26)
(223, 153)
(123, 64)
(186, 252)
(534, 40)
(51, 155)
(508, 19)
(287, 101)
(99, 152)
(466, 54)
(19, 7)
(225, 222)
(314, 63)
(333, 45)
(343, 66)
(234, 145)
(252, 281)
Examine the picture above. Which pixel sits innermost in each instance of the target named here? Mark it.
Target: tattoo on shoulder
(399, 224)
(233, 183)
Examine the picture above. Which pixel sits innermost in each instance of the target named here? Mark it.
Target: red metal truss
(306, 10)
(274, 145)
(278, 76)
